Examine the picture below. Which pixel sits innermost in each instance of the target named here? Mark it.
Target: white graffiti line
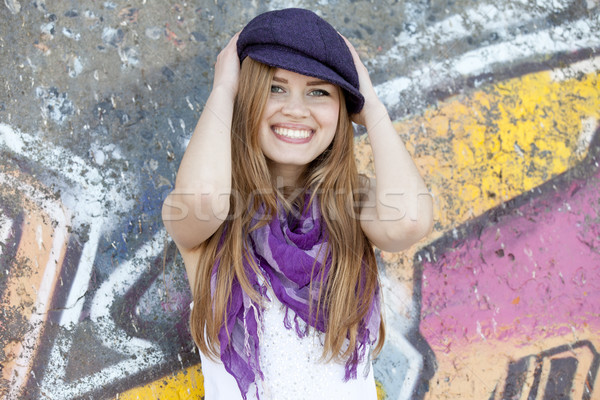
(414, 367)
(79, 286)
(85, 191)
(280, 4)
(59, 217)
(398, 303)
(576, 35)
(588, 130)
(54, 385)
(143, 354)
(96, 188)
(121, 280)
(490, 17)
(6, 225)
(572, 71)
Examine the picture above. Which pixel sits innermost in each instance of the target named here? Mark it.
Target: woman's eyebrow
(317, 83)
(311, 83)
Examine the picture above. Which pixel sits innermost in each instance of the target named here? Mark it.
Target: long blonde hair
(333, 180)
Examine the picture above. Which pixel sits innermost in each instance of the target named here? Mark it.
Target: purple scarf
(290, 251)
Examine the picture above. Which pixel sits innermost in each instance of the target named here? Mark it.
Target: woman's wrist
(224, 91)
(374, 114)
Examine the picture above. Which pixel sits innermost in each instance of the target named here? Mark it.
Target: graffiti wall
(499, 102)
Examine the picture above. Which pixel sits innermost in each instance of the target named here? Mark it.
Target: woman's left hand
(372, 102)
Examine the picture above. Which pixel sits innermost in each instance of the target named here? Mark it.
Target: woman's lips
(292, 135)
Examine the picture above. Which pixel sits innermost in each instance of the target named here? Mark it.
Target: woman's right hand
(227, 67)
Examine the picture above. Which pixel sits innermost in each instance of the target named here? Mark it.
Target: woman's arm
(199, 202)
(399, 208)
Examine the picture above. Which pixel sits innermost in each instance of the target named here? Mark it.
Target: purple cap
(300, 41)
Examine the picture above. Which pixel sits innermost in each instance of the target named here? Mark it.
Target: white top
(292, 368)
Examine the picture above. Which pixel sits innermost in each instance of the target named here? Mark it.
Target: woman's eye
(319, 92)
(276, 89)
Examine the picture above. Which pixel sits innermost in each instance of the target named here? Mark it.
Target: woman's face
(299, 121)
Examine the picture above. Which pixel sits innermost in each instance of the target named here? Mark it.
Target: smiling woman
(278, 248)
(298, 122)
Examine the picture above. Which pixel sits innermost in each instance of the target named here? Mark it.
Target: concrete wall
(499, 102)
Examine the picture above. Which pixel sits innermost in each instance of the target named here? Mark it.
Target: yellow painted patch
(476, 371)
(501, 141)
(485, 147)
(381, 395)
(529, 134)
(482, 148)
(184, 385)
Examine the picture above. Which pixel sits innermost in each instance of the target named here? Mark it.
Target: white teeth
(292, 133)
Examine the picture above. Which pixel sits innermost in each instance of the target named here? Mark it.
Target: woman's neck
(286, 176)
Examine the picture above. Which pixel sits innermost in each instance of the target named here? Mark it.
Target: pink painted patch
(534, 273)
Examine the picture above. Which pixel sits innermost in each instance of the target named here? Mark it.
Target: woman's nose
(295, 105)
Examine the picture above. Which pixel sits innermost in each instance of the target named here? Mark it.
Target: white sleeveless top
(292, 367)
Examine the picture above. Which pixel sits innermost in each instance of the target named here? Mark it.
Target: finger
(234, 38)
(230, 48)
(350, 46)
(232, 44)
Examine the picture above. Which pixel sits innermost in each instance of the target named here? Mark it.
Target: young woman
(274, 224)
